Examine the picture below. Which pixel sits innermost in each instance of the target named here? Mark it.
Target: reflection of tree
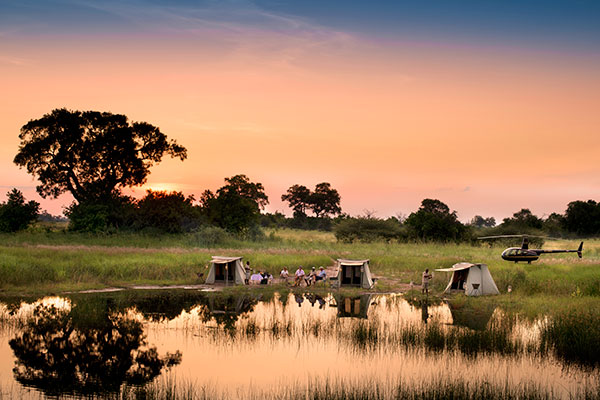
(57, 356)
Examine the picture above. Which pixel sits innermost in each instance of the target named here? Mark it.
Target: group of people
(299, 276)
(263, 277)
(257, 277)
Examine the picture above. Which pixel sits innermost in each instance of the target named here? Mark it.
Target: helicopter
(524, 253)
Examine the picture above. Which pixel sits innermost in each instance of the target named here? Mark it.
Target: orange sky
(486, 129)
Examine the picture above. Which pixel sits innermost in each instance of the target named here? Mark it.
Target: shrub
(15, 214)
(367, 230)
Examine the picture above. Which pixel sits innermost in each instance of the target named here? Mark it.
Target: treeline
(95, 155)
(434, 221)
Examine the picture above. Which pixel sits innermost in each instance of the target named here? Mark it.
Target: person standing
(426, 278)
(248, 272)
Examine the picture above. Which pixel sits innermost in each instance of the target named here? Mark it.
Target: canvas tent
(473, 279)
(226, 270)
(353, 273)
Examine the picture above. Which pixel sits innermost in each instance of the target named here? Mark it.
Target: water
(240, 344)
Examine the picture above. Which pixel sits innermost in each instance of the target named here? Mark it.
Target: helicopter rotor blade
(515, 236)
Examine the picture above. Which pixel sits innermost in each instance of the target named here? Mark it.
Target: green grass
(36, 260)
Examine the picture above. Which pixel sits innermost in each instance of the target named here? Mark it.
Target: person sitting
(311, 277)
(298, 276)
(284, 274)
(255, 278)
(265, 277)
(322, 275)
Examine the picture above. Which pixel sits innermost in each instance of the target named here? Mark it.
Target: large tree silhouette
(91, 154)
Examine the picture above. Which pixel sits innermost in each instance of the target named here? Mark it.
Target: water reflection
(225, 310)
(344, 335)
(353, 306)
(470, 317)
(57, 353)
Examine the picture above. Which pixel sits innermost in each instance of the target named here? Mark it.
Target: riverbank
(54, 262)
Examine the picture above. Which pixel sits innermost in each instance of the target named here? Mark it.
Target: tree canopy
(16, 214)
(434, 221)
(236, 206)
(91, 154)
(298, 197)
(323, 201)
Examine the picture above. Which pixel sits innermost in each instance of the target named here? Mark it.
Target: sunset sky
(489, 106)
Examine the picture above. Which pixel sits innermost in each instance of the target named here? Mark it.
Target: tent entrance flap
(459, 278)
(225, 271)
(351, 275)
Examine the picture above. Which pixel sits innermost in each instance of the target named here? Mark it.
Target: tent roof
(458, 267)
(352, 262)
(223, 260)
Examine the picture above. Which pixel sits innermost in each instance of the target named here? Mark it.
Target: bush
(15, 214)
(101, 216)
(167, 212)
(367, 230)
(209, 236)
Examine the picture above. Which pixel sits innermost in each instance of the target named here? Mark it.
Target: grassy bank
(54, 261)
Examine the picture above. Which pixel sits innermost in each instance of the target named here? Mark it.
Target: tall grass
(327, 388)
(573, 336)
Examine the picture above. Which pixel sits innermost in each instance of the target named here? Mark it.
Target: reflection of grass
(443, 387)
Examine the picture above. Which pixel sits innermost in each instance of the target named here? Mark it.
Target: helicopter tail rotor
(579, 250)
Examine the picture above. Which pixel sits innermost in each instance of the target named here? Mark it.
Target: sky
(488, 106)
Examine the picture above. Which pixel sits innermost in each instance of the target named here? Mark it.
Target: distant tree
(111, 214)
(481, 222)
(325, 201)
(434, 221)
(554, 224)
(523, 219)
(170, 212)
(583, 217)
(367, 229)
(16, 214)
(236, 206)
(91, 154)
(299, 199)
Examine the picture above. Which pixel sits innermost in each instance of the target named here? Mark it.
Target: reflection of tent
(226, 270)
(235, 305)
(470, 317)
(354, 273)
(353, 306)
(474, 279)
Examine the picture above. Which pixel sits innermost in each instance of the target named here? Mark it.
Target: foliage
(523, 219)
(481, 222)
(434, 221)
(107, 215)
(323, 202)
(15, 213)
(367, 229)
(298, 197)
(90, 154)
(169, 212)
(583, 217)
(236, 206)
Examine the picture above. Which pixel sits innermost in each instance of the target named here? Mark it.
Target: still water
(94, 344)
